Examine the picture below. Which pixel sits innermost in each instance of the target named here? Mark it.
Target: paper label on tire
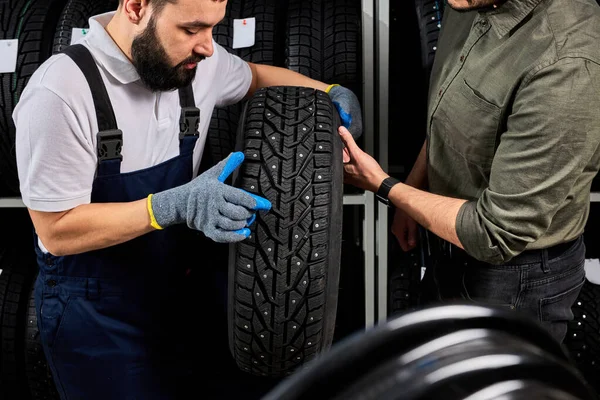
(78, 33)
(592, 270)
(8, 55)
(244, 32)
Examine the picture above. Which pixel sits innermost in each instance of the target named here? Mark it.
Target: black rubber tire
(404, 275)
(33, 22)
(429, 16)
(408, 377)
(324, 41)
(284, 278)
(268, 47)
(357, 355)
(39, 377)
(76, 14)
(582, 340)
(14, 283)
(268, 50)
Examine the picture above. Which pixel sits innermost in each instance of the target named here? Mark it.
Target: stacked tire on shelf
(43, 28)
(17, 265)
(405, 267)
(32, 23)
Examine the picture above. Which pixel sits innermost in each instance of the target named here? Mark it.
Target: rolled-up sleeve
(551, 137)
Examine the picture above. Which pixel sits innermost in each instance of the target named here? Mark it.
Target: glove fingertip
(234, 160)
(244, 232)
(262, 203)
(344, 116)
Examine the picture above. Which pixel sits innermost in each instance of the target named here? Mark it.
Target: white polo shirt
(56, 123)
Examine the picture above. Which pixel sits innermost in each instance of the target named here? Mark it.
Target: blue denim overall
(116, 323)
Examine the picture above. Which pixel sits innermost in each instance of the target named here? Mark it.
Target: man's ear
(135, 10)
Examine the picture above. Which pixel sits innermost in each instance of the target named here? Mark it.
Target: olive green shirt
(514, 123)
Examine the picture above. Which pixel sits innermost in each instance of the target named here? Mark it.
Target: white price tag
(592, 270)
(244, 32)
(78, 33)
(8, 55)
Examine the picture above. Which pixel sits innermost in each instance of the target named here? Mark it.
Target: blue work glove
(348, 107)
(207, 204)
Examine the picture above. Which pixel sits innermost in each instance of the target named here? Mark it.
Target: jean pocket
(557, 308)
(491, 286)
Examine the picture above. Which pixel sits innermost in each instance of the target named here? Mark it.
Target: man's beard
(152, 63)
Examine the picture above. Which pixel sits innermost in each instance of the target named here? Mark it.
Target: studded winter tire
(284, 278)
(32, 23)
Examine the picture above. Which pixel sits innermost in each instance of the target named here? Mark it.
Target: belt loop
(92, 289)
(545, 266)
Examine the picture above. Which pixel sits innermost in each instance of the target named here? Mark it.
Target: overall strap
(109, 137)
(189, 121)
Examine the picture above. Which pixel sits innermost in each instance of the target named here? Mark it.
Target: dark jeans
(543, 284)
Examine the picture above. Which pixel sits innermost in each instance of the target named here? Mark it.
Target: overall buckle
(189, 121)
(110, 144)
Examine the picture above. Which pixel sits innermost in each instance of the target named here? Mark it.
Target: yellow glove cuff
(330, 87)
(153, 222)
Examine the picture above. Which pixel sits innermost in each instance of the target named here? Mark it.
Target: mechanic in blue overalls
(110, 134)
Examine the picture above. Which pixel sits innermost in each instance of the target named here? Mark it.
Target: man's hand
(360, 169)
(348, 107)
(207, 204)
(405, 229)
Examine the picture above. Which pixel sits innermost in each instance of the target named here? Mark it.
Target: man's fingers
(234, 160)
(228, 224)
(235, 212)
(348, 141)
(346, 156)
(412, 234)
(223, 236)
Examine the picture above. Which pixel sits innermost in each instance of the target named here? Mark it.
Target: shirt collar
(106, 51)
(510, 14)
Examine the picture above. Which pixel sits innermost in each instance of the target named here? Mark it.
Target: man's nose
(205, 47)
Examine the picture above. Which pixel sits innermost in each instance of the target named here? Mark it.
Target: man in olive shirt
(511, 151)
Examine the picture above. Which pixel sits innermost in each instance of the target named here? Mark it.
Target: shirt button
(51, 283)
(484, 23)
(440, 93)
(462, 58)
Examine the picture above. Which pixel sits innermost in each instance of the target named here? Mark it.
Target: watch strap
(384, 190)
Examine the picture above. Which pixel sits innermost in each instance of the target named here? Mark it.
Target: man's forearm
(266, 75)
(435, 213)
(418, 175)
(92, 226)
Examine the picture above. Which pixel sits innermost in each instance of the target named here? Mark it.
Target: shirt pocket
(469, 124)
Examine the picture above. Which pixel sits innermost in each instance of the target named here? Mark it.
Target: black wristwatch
(384, 190)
